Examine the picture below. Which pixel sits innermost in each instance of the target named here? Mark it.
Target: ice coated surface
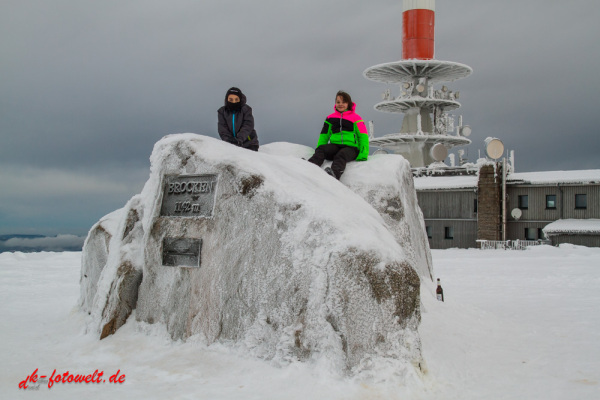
(583, 177)
(386, 183)
(295, 265)
(446, 182)
(95, 256)
(573, 226)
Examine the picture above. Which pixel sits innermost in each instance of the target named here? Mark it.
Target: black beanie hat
(235, 91)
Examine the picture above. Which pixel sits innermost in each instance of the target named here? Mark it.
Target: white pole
(512, 160)
(504, 199)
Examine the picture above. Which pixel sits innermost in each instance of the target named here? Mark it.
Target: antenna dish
(466, 131)
(420, 88)
(439, 152)
(381, 151)
(516, 213)
(494, 148)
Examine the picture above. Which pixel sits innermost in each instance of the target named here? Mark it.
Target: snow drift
(293, 265)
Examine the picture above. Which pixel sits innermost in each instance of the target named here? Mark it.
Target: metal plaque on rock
(181, 252)
(189, 195)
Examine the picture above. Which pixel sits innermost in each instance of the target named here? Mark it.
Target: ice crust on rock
(294, 264)
(386, 183)
(112, 265)
(95, 256)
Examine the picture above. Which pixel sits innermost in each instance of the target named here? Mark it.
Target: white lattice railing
(509, 244)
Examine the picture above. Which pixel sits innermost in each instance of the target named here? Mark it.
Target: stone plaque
(181, 252)
(189, 195)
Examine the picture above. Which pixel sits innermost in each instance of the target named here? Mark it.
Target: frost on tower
(426, 132)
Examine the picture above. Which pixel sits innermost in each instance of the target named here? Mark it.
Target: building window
(541, 234)
(428, 230)
(475, 206)
(581, 201)
(448, 232)
(530, 234)
(524, 202)
(550, 202)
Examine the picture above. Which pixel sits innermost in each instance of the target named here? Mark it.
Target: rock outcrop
(265, 251)
(386, 183)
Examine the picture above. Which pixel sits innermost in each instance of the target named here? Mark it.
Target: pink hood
(351, 116)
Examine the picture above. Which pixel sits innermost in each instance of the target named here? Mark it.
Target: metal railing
(510, 244)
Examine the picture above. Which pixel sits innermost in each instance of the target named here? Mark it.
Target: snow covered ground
(515, 325)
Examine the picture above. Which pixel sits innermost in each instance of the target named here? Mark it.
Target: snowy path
(515, 325)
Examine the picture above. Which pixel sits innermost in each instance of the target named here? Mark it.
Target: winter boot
(330, 172)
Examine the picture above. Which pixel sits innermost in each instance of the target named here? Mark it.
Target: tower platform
(406, 70)
(402, 105)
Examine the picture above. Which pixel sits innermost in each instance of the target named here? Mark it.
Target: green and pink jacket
(347, 129)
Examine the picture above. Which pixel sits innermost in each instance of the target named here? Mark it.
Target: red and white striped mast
(426, 123)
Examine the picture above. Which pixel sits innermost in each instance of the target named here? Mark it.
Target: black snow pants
(339, 153)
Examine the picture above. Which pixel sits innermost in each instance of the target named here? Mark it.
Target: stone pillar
(489, 202)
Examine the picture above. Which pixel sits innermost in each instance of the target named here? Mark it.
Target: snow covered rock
(94, 257)
(112, 268)
(386, 183)
(264, 251)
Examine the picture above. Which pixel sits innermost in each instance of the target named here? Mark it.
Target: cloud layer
(87, 88)
(57, 243)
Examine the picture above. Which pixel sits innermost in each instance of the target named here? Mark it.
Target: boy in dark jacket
(236, 123)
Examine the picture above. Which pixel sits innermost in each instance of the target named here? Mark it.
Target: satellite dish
(494, 148)
(466, 131)
(420, 88)
(439, 152)
(516, 213)
(381, 151)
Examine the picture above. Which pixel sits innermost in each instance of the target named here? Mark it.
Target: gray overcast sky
(88, 87)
